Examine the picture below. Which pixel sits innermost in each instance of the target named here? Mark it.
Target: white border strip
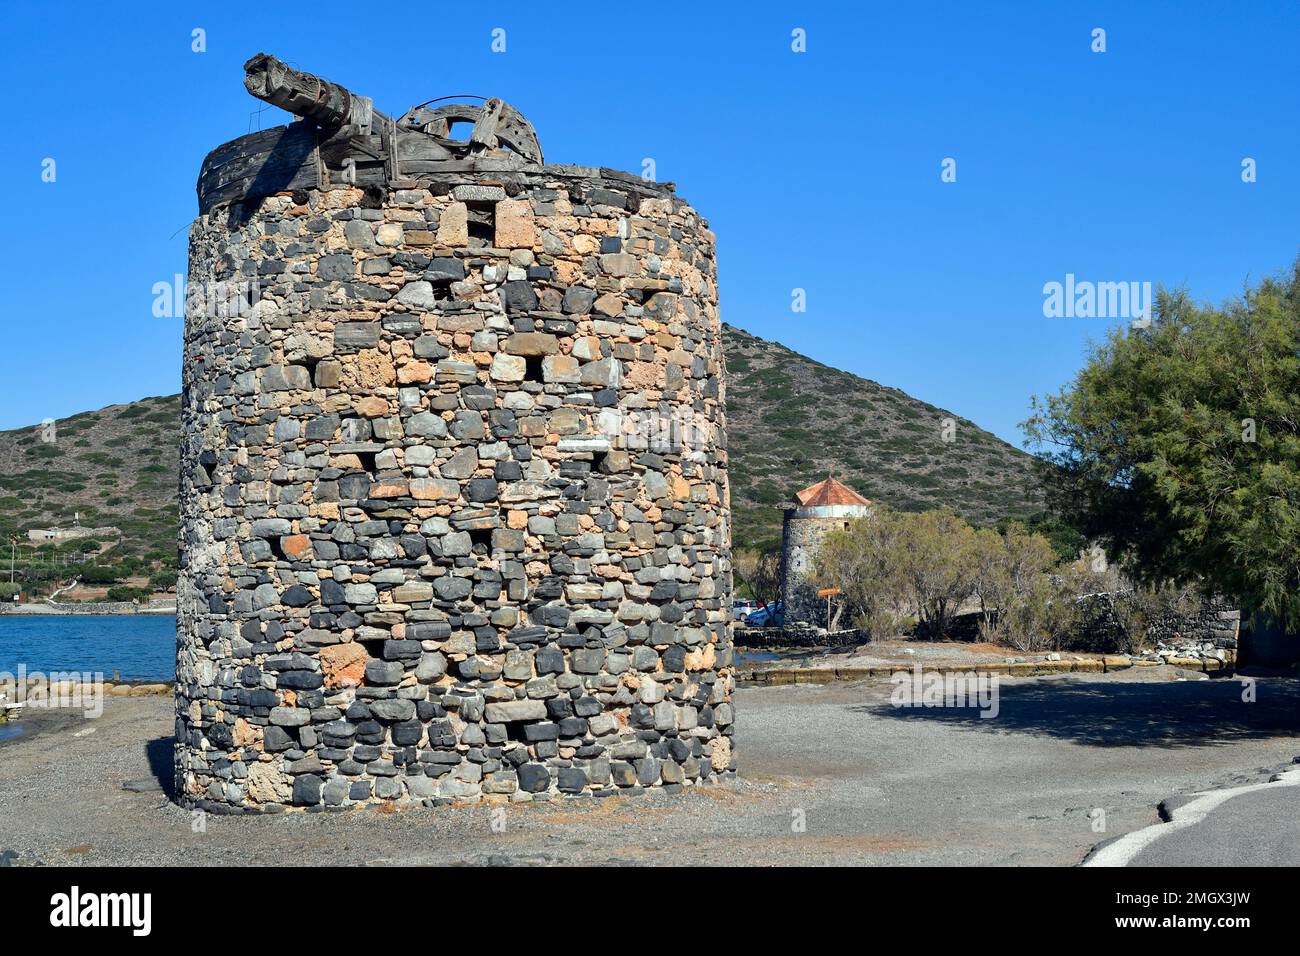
(1126, 848)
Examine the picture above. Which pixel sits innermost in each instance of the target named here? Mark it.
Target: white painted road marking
(1126, 848)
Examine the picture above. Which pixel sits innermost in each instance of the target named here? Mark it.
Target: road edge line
(1122, 850)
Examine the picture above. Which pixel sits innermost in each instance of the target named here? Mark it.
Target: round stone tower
(817, 511)
(454, 507)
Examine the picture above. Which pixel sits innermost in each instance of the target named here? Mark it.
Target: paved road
(832, 774)
(1259, 828)
(1022, 788)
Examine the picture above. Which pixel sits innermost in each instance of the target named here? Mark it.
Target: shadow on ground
(1100, 714)
(160, 751)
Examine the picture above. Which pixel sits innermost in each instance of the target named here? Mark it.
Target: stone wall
(455, 519)
(799, 636)
(1214, 622)
(1214, 626)
(89, 607)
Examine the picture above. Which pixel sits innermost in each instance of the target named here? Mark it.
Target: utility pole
(13, 548)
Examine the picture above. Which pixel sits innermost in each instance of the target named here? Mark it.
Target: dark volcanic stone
(307, 790)
(533, 778)
(571, 780)
(297, 596)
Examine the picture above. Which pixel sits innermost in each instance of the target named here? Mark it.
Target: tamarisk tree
(1177, 446)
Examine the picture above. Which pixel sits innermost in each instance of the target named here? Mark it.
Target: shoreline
(99, 610)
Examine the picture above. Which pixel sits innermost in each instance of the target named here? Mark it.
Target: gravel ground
(876, 785)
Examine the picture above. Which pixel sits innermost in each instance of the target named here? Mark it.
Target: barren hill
(792, 420)
(113, 467)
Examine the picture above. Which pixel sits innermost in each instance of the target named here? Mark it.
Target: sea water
(139, 646)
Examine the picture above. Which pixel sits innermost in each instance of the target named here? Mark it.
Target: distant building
(48, 535)
(817, 511)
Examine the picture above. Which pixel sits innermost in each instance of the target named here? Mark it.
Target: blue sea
(137, 646)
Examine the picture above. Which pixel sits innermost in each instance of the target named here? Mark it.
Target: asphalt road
(831, 775)
(1259, 828)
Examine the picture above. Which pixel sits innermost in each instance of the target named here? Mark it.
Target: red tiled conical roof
(829, 492)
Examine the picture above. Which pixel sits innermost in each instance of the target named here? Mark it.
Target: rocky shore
(40, 689)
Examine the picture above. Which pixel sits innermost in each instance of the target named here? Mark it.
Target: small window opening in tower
(481, 221)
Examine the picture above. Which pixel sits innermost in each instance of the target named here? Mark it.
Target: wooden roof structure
(340, 140)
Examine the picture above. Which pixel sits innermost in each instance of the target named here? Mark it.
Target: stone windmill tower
(455, 519)
(816, 511)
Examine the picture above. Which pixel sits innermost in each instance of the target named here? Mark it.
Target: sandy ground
(831, 774)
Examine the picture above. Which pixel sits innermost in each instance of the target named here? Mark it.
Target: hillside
(115, 467)
(791, 422)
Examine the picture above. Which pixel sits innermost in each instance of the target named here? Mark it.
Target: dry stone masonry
(815, 512)
(454, 519)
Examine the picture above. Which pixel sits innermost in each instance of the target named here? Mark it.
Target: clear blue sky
(818, 170)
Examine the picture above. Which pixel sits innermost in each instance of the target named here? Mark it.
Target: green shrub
(163, 580)
(100, 574)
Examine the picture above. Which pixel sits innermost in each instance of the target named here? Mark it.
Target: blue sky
(819, 170)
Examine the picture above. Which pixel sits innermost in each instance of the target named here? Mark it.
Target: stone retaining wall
(1214, 624)
(90, 607)
(1101, 665)
(801, 637)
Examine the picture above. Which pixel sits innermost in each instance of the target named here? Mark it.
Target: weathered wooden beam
(305, 94)
(484, 132)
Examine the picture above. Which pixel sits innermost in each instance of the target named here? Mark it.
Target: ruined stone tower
(817, 511)
(454, 508)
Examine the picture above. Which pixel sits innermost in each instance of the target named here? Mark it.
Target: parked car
(770, 615)
(742, 609)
